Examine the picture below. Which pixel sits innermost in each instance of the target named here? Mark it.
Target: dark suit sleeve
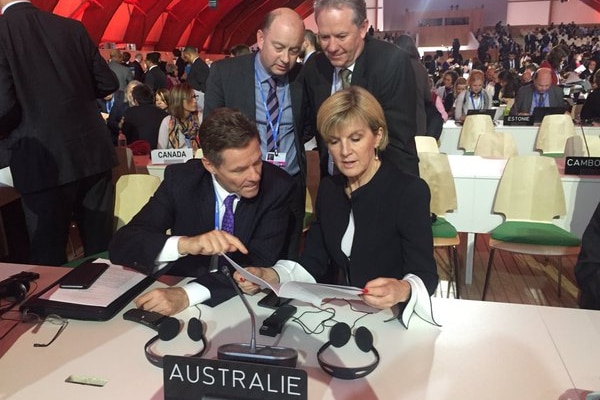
(10, 109)
(587, 269)
(105, 79)
(214, 96)
(198, 75)
(416, 237)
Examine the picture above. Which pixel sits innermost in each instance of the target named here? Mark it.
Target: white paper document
(314, 293)
(115, 281)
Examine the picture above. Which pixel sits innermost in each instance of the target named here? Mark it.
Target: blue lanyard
(217, 216)
(480, 100)
(274, 128)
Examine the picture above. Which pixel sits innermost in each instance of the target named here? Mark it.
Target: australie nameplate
(189, 378)
(171, 156)
(516, 120)
(582, 165)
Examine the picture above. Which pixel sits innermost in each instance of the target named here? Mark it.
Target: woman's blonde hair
(350, 105)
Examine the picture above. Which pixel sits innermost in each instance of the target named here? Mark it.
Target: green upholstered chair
(530, 195)
(434, 169)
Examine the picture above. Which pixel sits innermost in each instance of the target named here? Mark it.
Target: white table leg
(469, 258)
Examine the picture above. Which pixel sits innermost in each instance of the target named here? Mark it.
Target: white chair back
(473, 127)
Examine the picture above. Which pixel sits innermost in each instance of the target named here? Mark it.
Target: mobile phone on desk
(83, 276)
(272, 301)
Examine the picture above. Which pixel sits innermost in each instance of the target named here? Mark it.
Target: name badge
(190, 378)
(171, 156)
(276, 159)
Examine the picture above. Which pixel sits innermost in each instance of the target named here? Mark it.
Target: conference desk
(524, 137)
(482, 351)
(476, 180)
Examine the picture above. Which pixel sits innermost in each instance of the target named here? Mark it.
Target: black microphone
(587, 149)
(252, 352)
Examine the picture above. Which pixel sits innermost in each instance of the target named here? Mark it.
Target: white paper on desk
(313, 293)
(115, 281)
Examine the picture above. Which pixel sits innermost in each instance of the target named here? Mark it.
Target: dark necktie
(540, 100)
(345, 77)
(227, 223)
(272, 111)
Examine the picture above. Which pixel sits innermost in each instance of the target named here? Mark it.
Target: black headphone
(168, 330)
(339, 335)
(15, 287)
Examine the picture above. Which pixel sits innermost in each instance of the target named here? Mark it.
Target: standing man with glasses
(265, 88)
(53, 138)
(230, 201)
(351, 57)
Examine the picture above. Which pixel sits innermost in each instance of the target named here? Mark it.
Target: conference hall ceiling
(166, 24)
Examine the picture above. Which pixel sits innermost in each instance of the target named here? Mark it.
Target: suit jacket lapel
(246, 87)
(244, 217)
(204, 203)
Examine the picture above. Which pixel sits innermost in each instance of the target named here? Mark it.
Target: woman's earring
(376, 154)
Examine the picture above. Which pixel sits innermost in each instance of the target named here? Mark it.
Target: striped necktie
(345, 77)
(272, 112)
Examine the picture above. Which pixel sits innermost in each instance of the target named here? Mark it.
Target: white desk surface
(524, 137)
(483, 351)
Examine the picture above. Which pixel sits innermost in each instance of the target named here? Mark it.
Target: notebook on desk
(114, 289)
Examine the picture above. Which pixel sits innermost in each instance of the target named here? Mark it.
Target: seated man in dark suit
(142, 120)
(542, 93)
(230, 190)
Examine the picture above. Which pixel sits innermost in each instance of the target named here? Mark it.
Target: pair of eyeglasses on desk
(31, 318)
(55, 320)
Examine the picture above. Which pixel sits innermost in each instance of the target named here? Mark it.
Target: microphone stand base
(272, 355)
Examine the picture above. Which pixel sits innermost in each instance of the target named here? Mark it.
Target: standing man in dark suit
(155, 77)
(60, 153)
(264, 87)
(179, 63)
(351, 57)
(230, 201)
(198, 69)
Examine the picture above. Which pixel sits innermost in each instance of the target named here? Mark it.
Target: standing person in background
(179, 63)
(423, 97)
(59, 151)
(310, 45)
(265, 86)
(555, 61)
(351, 57)
(154, 77)
(124, 75)
(198, 74)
